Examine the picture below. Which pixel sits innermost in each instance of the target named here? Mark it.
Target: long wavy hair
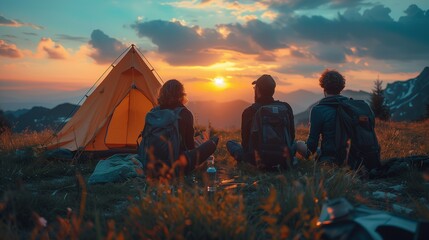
(171, 93)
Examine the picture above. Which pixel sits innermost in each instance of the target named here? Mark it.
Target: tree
(427, 110)
(378, 106)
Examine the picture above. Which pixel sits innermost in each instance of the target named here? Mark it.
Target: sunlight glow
(219, 82)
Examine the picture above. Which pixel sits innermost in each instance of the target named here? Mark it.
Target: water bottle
(211, 176)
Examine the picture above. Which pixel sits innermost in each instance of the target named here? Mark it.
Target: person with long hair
(172, 100)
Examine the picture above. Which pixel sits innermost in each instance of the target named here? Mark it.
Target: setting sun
(219, 82)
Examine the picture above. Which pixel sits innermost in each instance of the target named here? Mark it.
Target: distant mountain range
(40, 118)
(407, 101)
(303, 117)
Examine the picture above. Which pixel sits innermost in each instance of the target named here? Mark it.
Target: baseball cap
(265, 84)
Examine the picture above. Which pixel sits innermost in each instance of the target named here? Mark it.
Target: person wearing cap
(264, 88)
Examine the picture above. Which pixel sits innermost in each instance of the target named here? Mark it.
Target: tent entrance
(127, 120)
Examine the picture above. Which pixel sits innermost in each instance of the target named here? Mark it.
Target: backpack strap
(177, 112)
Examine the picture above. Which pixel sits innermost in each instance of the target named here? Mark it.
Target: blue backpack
(160, 136)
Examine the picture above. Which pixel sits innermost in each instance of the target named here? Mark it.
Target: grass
(248, 205)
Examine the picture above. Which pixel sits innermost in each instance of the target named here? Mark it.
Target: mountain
(40, 118)
(221, 115)
(407, 100)
(299, 100)
(303, 117)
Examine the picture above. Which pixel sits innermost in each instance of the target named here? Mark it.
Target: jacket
(322, 123)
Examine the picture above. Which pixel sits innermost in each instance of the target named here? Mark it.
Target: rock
(383, 195)
(401, 209)
(398, 187)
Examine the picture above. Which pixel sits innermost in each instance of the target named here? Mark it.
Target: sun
(219, 82)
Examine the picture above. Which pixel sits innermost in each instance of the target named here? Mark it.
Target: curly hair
(332, 81)
(171, 93)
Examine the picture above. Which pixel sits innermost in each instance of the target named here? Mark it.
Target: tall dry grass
(279, 205)
(10, 141)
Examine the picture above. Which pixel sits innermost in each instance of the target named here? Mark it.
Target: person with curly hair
(323, 117)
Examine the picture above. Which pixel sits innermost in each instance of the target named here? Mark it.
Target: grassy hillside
(248, 205)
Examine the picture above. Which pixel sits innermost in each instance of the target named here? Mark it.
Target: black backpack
(270, 137)
(160, 137)
(355, 121)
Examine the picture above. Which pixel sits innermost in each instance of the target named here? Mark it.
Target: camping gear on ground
(273, 143)
(160, 136)
(112, 116)
(355, 121)
(117, 168)
(340, 220)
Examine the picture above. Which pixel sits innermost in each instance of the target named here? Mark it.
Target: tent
(113, 115)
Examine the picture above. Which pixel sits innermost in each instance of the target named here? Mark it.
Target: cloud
(30, 33)
(52, 49)
(71, 38)
(371, 32)
(107, 49)
(9, 36)
(330, 53)
(294, 5)
(374, 33)
(181, 45)
(185, 45)
(303, 69)
(9, 50)
(15, 23)
(268, 36)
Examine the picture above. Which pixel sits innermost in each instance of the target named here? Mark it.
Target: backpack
(355, 121)
(270, 137)
(160, 136)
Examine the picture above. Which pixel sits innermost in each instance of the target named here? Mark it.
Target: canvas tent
(113, 115)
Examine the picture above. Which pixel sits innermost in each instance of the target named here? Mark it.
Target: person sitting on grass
(267, 130)
(345, 125)
(168, 135)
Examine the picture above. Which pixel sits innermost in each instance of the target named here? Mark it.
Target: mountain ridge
(406, 99)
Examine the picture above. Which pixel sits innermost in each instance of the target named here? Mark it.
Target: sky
(54, 50)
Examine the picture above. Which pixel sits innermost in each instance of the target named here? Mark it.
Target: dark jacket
(322, 122)
(186, 127)
(247, 118)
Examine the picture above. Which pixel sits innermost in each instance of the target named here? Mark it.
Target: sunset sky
(51, 51)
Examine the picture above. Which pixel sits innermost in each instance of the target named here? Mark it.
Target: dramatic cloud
(52, 49)
(15, 23)
(374, 33)
(107, 49)
(71, 38)
(181, 45)
(293, 5)
(369, 33)
(9, 50)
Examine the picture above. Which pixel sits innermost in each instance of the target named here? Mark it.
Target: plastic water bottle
(211, 176)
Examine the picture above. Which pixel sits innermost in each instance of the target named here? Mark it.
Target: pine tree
(427, 110)
(378, 106)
